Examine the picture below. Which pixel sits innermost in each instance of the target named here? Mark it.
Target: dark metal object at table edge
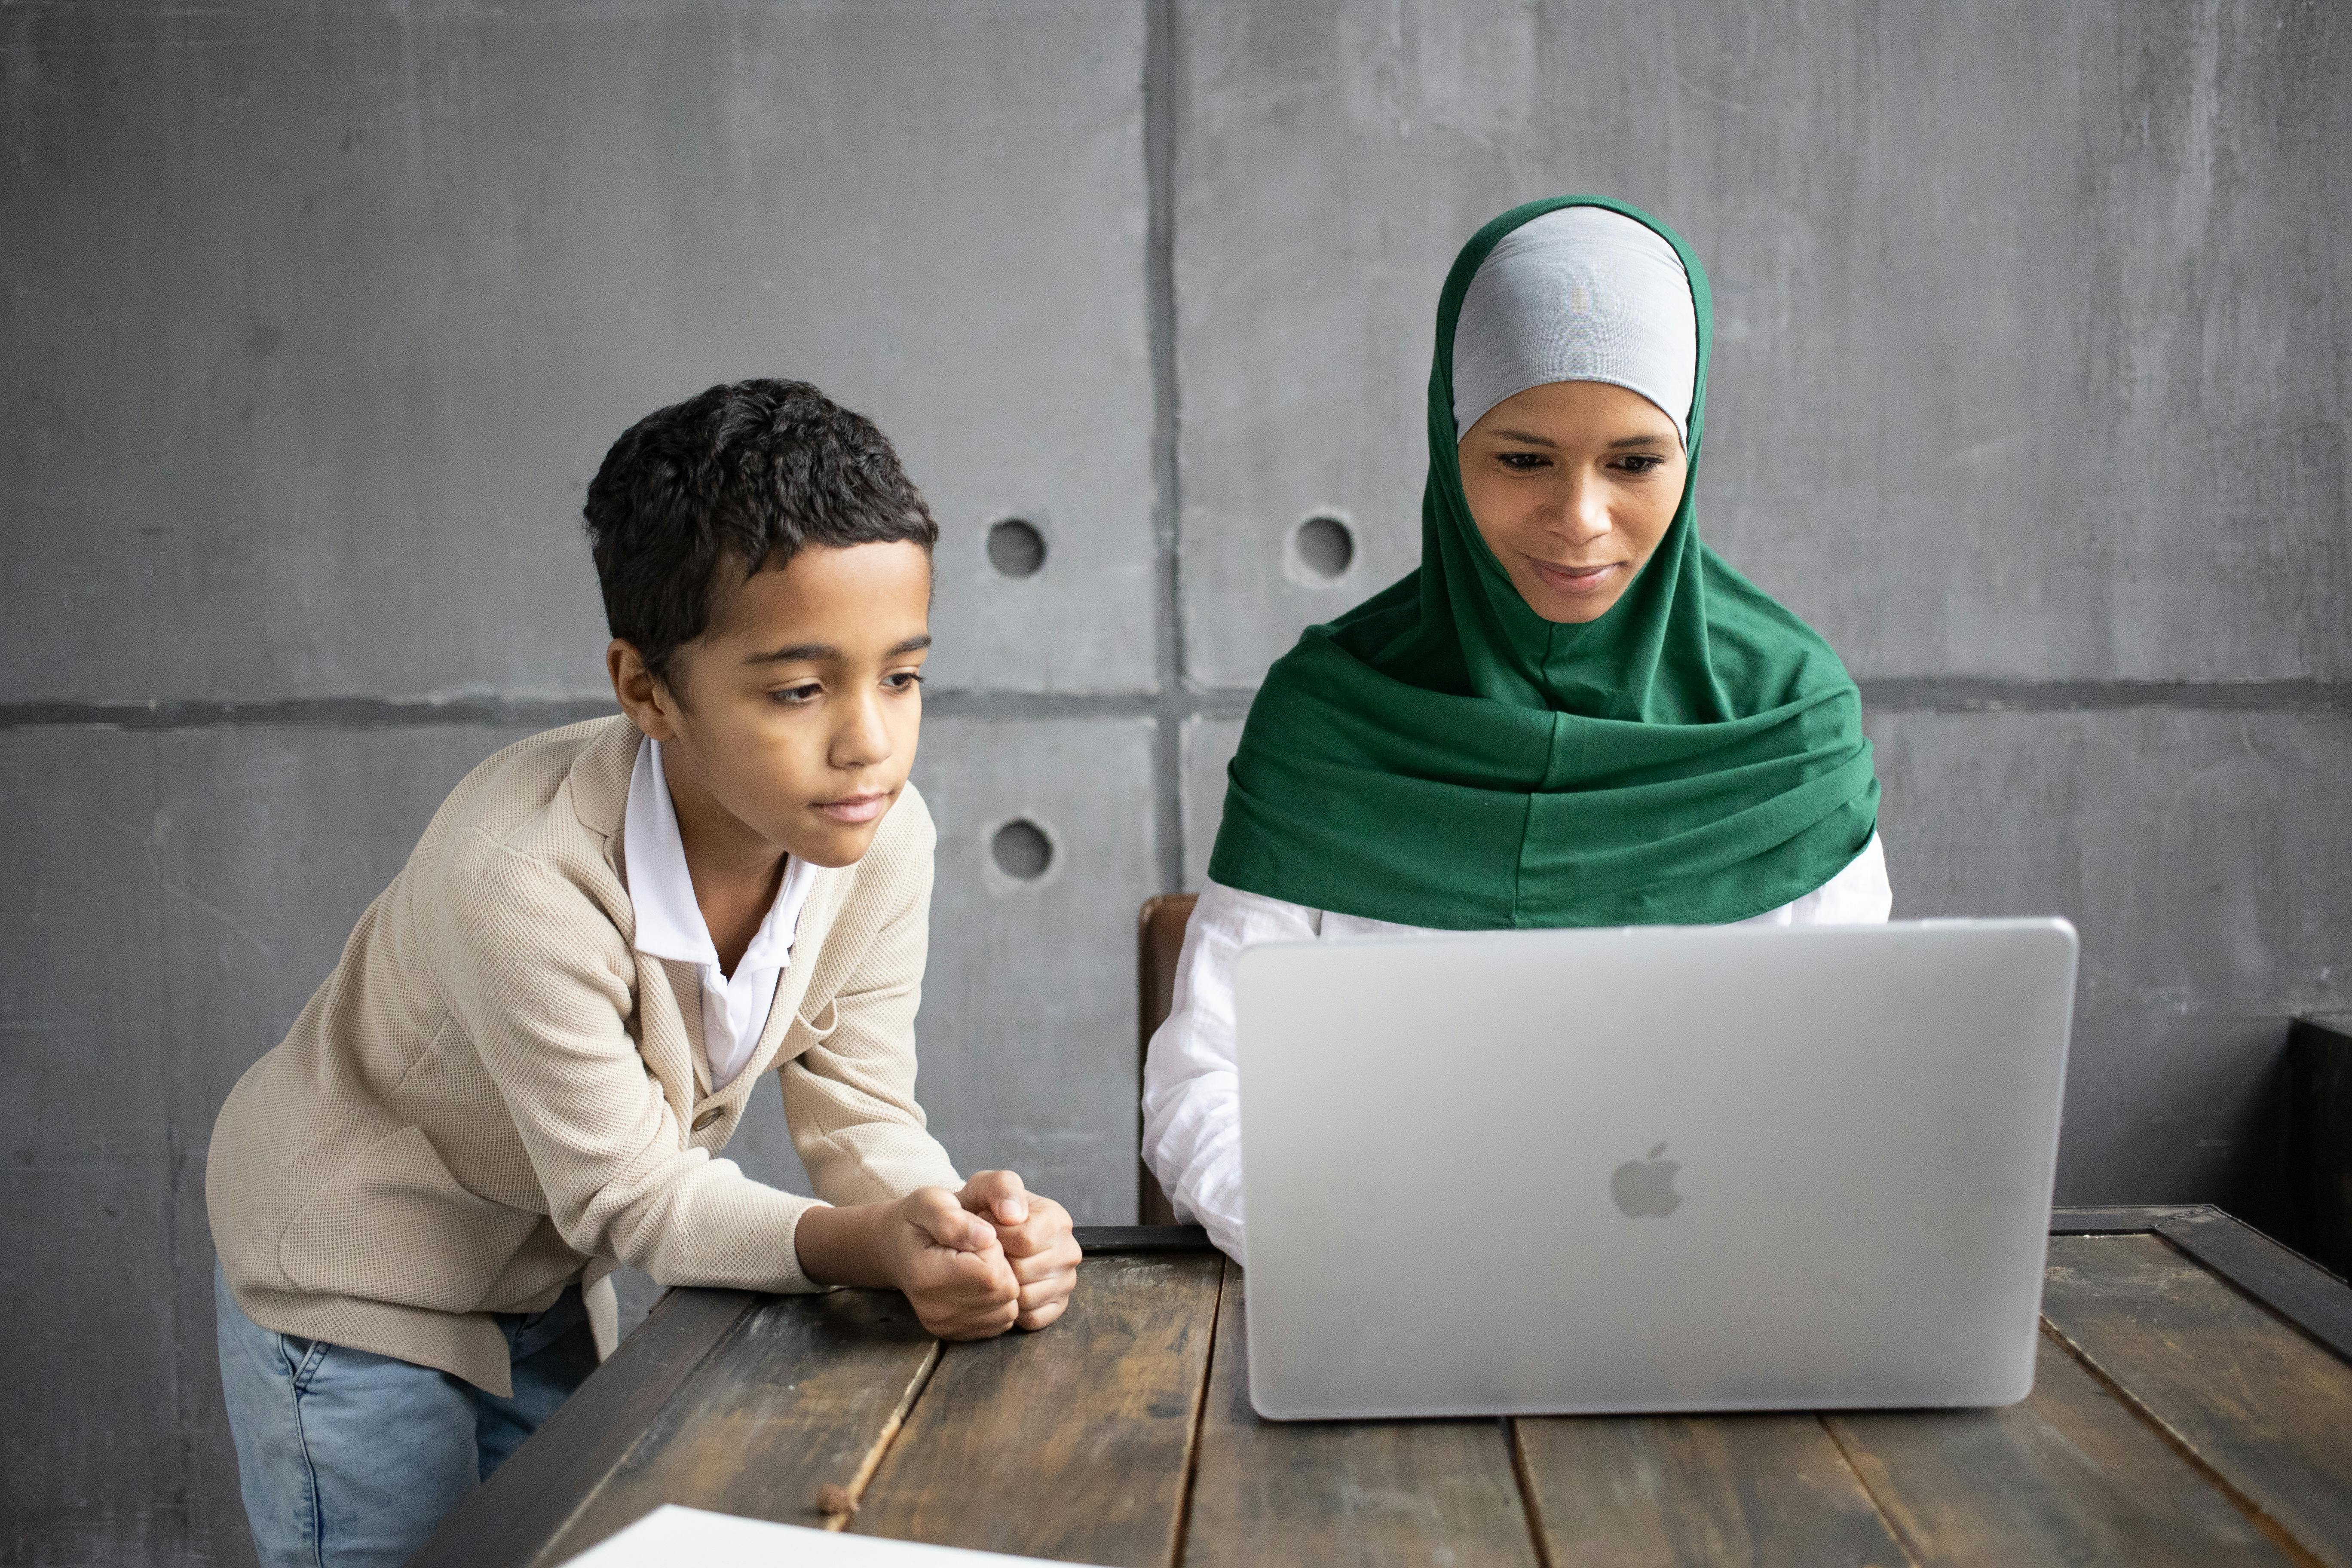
(1100, 1240)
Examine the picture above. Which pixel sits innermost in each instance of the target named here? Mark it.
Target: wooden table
(2194, 1405)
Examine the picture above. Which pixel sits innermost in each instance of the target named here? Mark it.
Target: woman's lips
(1573, 579)
(856, 808)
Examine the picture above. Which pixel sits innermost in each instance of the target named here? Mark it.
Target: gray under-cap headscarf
(1581, 294)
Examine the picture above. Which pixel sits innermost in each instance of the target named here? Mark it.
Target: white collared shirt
(670, 925)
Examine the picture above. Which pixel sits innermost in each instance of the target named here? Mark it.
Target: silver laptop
(1654, 1169)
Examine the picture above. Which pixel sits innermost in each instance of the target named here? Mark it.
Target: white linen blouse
(1192, 1104)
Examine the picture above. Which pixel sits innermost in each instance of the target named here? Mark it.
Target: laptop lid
(1650, 1169)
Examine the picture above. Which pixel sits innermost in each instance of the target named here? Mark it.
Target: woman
(1574, 713)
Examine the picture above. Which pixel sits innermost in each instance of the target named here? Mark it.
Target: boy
(541, 1034)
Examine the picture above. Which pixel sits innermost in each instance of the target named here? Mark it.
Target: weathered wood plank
(2284, 1280)
(2069, 1476)
(1359, 1492)
(805, 1394)
(509, 1522)
(2263, 1408)
(1072, 1443)
(1667, 1491)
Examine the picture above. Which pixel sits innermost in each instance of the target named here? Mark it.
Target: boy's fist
(951, 1267)
(1034, 1233)
(973, 1264)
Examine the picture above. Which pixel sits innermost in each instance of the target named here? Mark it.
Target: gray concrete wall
(2030, 392)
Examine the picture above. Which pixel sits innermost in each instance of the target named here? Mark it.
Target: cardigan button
(707, 1118)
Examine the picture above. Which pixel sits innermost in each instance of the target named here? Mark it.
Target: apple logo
(1646, 1187)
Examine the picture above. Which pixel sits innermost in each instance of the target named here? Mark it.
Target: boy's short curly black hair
(740, 477)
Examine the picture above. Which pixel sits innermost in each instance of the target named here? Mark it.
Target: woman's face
(1572, 485)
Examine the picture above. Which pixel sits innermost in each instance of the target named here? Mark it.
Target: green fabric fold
(1441, 755)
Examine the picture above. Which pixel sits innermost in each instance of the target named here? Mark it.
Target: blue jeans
(349, 1459)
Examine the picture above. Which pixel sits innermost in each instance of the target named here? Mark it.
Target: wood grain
(1667, 1491)
(2070, 1476)
(805, 1394)
(1357, 1493)
(1072, 1443)
(508, 1522)
(2263, 1408)
(2286, 1281)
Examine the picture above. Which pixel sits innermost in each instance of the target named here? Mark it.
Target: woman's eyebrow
(1528, 438)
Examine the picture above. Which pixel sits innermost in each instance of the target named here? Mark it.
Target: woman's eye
(1524, 462)
(1642, 463)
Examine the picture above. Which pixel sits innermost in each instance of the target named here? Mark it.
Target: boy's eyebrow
(818, 652)
(799, 653)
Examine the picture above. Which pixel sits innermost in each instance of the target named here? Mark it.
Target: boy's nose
(863, 740)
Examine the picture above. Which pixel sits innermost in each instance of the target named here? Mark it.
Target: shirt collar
(661, 890)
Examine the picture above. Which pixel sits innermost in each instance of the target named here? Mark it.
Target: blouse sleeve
(1192, 1105)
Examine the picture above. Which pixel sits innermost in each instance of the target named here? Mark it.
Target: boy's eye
(903, 681)
(793, 696)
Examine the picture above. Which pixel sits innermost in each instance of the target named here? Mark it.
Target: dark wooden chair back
(1159, 939)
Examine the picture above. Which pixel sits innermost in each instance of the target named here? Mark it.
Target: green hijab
(1441, 755)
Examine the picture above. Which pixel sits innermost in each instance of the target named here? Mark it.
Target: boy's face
(790, 724)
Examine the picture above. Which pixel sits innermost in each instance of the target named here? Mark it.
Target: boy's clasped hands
(973, 1263)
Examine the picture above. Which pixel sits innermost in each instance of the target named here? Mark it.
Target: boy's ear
(643, 695)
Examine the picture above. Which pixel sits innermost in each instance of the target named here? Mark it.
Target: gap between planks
(1528, 1502)
(2273, 1531)
(1077, 1439)
(1912, 1554)
(888, 1434)
(1199, 1414)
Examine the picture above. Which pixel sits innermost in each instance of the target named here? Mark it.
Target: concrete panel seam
(1970, 694)
(1905, 694)
(547, 714)
(1160, 297)
(303, 712)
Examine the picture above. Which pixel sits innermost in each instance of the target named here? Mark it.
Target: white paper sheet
(675, 1537)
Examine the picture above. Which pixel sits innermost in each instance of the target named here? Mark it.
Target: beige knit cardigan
(493, 1095)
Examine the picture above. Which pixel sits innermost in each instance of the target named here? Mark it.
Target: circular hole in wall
(1015, 548)
(1022, 850)
(1323, 547)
